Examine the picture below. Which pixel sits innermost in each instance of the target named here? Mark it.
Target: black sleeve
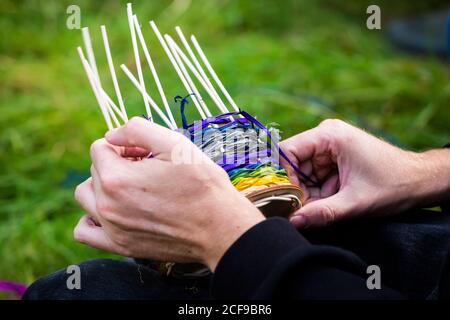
(273, 260)
(446, 205)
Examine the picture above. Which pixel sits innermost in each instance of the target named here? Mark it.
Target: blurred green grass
(294, 63)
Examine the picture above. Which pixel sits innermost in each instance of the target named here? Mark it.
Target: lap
(409, 249)
(117, 279)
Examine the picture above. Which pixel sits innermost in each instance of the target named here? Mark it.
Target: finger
(322, 212)
(106, 158)
(305, 145)
(139, 132)
(322, 165)
(84, 194)
(314, 194)
(330, 186)
(293, 176)
(291, 173)
(301, 149)
(306, 191)
(104, 184)
(88, 233)
(307, 168)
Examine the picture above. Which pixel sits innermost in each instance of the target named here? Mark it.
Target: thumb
(142, 133)
(322, 212)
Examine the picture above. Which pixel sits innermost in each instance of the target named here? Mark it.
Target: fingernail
(299, 221)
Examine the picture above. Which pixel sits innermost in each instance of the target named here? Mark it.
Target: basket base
(280, 200)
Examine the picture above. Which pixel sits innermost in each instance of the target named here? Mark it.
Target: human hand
(155, 207)
(361, 174)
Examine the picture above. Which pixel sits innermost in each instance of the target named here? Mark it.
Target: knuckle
(78, 235)
(77, 193)
(288, 146)
(331, 124)
(202, 179)
(328, 215)
(126, 252)
(291, 151)
(135, 121)
(109, 213)
(134, 124)
(104, 209)
(197, 173)
(133, 128)
(96, 145)
(123, 241)
(112, 184)
(335, 130)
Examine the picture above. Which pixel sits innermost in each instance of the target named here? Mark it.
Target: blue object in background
(427, 34)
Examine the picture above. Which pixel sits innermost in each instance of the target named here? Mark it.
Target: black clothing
(274, 260)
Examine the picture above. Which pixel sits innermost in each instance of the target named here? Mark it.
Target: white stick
(113, 106)
(177, 69)
(100, 93)
(191, 67)
(90, 51)
(91, 78)
(147, 96)
(91, 61)
(94, 72)
(107, 102)
(137, 59)
(187, 76)
(111, 112)
(221, 105)
(153, 70)
(113, 73)
(213, 73)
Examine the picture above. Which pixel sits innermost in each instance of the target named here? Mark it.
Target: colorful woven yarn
(244, 152)
(246, 149)
(235, 125)
(258, 175)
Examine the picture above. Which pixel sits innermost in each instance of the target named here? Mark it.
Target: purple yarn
(14, 287)
(226, 119)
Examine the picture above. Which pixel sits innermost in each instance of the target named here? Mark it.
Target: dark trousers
(410, 250)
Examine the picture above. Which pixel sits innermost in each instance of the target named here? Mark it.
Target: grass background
(290, 62)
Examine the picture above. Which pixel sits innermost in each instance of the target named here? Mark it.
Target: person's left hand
(156, 207)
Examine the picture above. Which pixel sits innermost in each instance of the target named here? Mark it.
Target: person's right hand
(361, 174)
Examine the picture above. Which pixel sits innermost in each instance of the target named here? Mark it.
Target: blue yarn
(183, 102)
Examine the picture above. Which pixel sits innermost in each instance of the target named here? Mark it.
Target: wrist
(230, 223)
(431, 177)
